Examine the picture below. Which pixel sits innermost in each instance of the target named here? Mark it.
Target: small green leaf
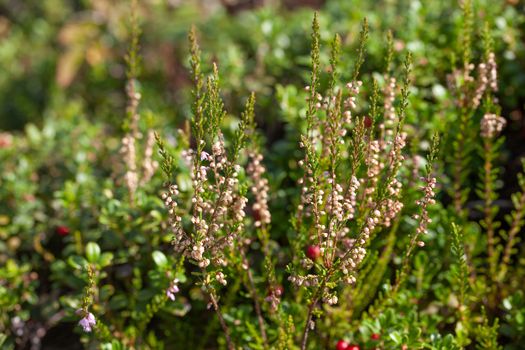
(118, 302)
(396, 337)
(106, 292)
(105, 259)
(77, 262)
(160, 259)
(92, 252)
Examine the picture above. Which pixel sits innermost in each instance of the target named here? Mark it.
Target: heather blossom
(88, 321)
(172, 289)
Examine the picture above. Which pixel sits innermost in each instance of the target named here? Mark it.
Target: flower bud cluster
(309, 280)
(354, 89)
(470, 91)
(350, 200)
(274, 298)
(260, 188)
(393, 205)
(428, 199)
(355, 255)
(487, 79)
(331, 204)
(149, 165)
(217, 216)
(330, 298)
(492, 71)
(172, 289)
(374, 165)
(492, 125)
(128, 150)
(389, 98)
(170, 201)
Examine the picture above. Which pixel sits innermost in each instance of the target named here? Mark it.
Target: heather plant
(341, 210)
(325, 248)
(484, 258)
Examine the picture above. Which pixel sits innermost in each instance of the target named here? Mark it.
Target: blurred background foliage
(55, 52)
(58, 50)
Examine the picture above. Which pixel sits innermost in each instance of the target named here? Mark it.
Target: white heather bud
(492, 125)
(220, 278)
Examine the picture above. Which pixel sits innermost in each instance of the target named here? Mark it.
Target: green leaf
(105, 259)
(118, 302)
(77, 262)
(106, 292)
(396, 337)
(92, 252)
(160, 259)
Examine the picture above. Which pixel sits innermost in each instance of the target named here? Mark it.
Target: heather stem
(514, 230)
(224, 326)
(257, 305)
(304, 339)
(313, 304)
(487, 210)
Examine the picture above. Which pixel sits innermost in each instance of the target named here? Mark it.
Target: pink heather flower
(87, 322)
(173, 289)
(205, 156)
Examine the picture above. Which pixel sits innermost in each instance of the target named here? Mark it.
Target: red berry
(368, 122)
(313, 252)
(62, 230)
(341, 345)
(353, 347)
(375, 336)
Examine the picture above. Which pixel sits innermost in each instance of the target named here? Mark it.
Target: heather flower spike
(132, 156)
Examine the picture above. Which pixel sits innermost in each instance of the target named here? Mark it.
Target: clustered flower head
(128, 150)
(149, 165)
(388, 105)
(219, 276)
(492, 125)
(88, 321)
(274, 297)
